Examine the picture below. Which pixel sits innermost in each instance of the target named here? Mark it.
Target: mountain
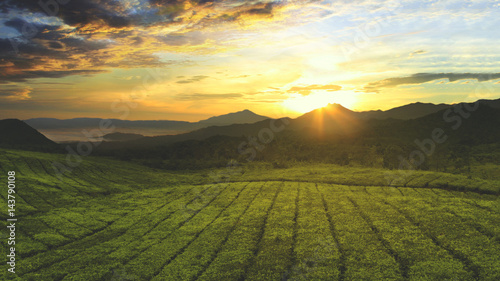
(14, 133)
(333, 119)
(234, 130)
(416, 110)
(480, 126)
(70, 129)
(241, 117)
(405, 112)
(331, 122)
(490, 103)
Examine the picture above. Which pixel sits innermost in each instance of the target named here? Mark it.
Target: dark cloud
(76, 13)
(196, 96)
(100, 34)
(193, 79)
(307, 89)
(418, 52)
(25, 75)
(266, 9)
(56, 45)
(420, 78)
(60, 53)
(220, 11)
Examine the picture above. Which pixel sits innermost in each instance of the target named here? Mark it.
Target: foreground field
(110, 220)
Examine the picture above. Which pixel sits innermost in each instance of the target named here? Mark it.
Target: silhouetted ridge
(241, 117)
(15, 133)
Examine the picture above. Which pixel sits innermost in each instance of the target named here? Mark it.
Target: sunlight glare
(303, 104)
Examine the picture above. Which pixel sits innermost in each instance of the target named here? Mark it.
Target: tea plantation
(112, 220)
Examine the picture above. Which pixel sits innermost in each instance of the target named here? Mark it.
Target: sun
(304, 104)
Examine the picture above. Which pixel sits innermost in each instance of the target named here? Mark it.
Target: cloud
(23, 76)
(418, 52)
(196, 96)
(420, 78)
(307, 89)
(15, 93)
(77, 13)
(193, 79)
(94, 35)
(124, 14)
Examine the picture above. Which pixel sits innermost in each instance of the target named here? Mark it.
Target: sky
(189, 60)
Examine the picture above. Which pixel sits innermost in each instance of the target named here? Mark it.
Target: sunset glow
(195, 59)
(303, 104)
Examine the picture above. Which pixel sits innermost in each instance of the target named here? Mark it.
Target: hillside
(331, 119)
(110, 220)
(406, 112)
(478, 127)
(15, 133)
(416, 110)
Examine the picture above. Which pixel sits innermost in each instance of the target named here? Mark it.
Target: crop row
(259, 231)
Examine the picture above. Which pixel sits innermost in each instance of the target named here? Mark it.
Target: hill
(15, 133)
(460, 125)
(111, 219)
(405, 112)
(333, 119)
(416, 110)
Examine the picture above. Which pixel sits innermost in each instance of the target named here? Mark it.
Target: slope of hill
(405, 112)
(17, 134)
(109, 220)
(416, 110)
(480, 126)
(331, 119)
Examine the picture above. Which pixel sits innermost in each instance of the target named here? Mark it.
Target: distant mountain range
(240, 117)
(70, 129)
(332, 120)
(332, 134)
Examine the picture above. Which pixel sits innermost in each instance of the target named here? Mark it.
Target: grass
(111, 220)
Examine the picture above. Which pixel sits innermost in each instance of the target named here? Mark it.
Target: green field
(111, 220)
